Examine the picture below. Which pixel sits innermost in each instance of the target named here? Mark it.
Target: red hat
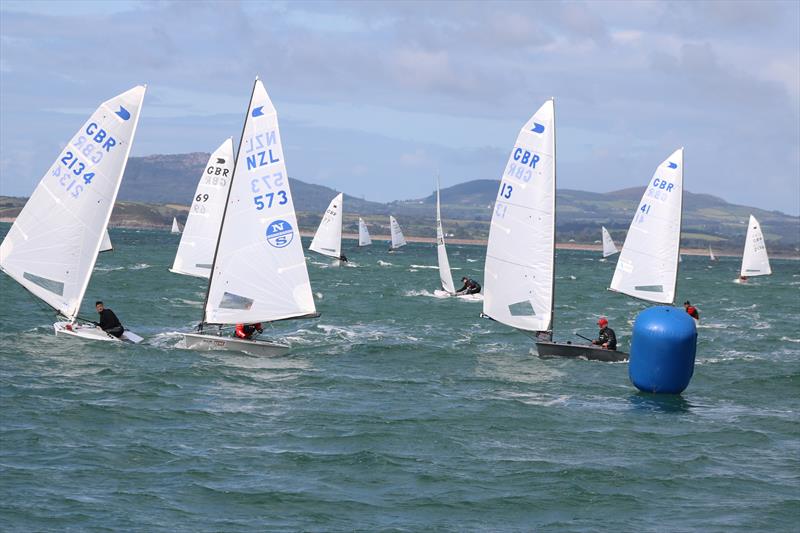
(603, 321)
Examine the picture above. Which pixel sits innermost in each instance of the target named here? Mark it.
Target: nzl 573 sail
(52, 247)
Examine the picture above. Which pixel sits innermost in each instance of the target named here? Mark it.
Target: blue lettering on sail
(279, 234)
(537, 128)
(258, 111)
(123, 113)
(261, 159)
(670, 164)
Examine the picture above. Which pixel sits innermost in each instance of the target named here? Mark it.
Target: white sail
(105, 243)
(397, 235)
(519, 256)
(176, 228)
(648, 265)
(609, 248)
(328, 238)
(52, 247)
(711, 255)
(363, 233)
(755, 261)
(445, 276)
(199, 240)
(259, 273)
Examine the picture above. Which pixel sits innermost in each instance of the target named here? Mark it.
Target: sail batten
(259, 272)
(53, 244)
(651, 252)
(519, 270)
(445, 276)
(328, 238)
(755, 261)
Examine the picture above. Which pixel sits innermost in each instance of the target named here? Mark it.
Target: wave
(425, 266)
(139, 266)
(384, 263)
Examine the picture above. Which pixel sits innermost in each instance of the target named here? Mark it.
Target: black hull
(583, 351)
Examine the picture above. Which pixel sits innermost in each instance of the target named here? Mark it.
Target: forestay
(363, 233)
(105, 243)
(445, 275)
(259, 274)
(328, 238)
(648, 265)
(196, 249)
(52, 246)
(609, 248)
(397, 235)
(519, 256)
(755, 261)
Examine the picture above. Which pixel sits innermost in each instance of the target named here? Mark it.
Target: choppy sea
(397, 410)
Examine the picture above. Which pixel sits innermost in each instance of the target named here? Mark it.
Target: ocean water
(397, 410)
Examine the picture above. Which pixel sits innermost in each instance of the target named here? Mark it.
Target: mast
(680, 228)
(555, 191)
(227, 201)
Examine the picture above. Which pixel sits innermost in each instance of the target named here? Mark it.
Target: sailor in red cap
(606, 338)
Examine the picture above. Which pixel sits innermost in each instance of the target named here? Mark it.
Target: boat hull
(579, 351)
(202, 341)
(93, 333)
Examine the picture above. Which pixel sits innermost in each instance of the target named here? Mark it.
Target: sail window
(649, 288)
(524, 308)
(234, 301)
(56, 287)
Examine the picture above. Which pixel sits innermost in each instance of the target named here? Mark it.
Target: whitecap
(384, 263)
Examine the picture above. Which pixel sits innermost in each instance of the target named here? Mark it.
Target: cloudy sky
(375, 97)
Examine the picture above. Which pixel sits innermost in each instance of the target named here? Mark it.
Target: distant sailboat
(445, 276)
(105, 244)
(398, 239)
(609, 248)
(176, 228)
(259, 270)
(52, 247)
(755, 261)
(199, 239)
(328, 238)
(363, 233)
(711, 255)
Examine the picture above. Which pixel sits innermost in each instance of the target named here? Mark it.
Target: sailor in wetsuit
(246, 331)
(692, 310)
(606, 338)
(343, 258)
(470, 287)
(108, 321)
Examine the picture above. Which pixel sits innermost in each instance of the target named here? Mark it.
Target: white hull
(93, 333)
(439, 293)
(203, 341)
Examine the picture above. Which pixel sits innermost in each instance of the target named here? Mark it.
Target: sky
(376, 98)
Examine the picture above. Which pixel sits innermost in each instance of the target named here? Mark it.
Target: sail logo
(258, 111)
(670, 164)
(537, 128)
(123, 113)
(280, 234)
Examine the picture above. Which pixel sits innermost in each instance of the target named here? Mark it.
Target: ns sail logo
(279, 234)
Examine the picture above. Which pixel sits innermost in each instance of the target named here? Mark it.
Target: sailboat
(711, 256)
(397, 234)
(176, 228)
(609, 248)
(328, 238)
(105, 243)
(199, 240)
(259, 270)
(52, 247)
(647, 268)
(445, 276)
(755, 261)
(363, 233)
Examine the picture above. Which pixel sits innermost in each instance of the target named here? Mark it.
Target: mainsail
(176, 228)
(363, 233)
(328, 238)
(199, 240)
(105, 244)
(445, 275)
(397, 235)
(259, 272)
(608, 244)
(52, 247)
(711, 255)
(520, 253)
(755, 261)
(648, 265)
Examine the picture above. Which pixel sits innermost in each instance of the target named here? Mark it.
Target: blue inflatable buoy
(663, 348)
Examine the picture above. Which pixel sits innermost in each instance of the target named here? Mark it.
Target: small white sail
(176, 228)
(648, 265)
(445, 276)
(328, 238)
(397, 235)
(519, 256)
(711, 255)
(259, 273)
(199, 240)
(609, 248)
(755, 261)
(363, 233)
(105, 244)
(52, 247)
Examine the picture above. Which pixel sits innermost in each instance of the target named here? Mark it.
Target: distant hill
(158, 187)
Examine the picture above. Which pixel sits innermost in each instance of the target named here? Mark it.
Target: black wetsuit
(110, 323)
(607, 335)
(470, 287)
(343, 258)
